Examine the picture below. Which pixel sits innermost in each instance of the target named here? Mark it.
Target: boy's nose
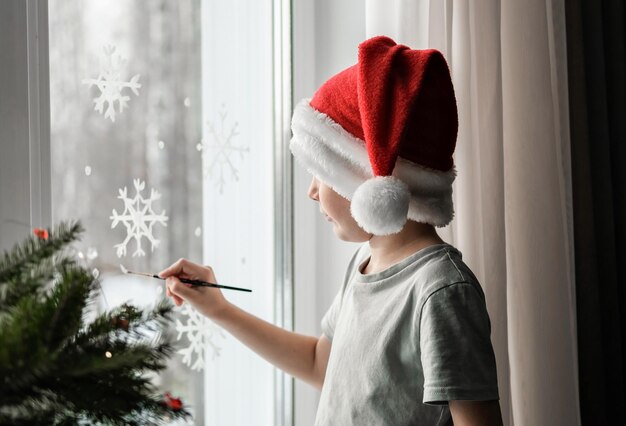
(313, 194)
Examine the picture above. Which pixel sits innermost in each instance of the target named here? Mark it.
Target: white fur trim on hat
(340, 160)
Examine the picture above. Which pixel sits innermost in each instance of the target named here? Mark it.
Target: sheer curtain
(513, 220)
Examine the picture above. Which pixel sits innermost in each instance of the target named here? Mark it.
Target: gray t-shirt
(405, 341)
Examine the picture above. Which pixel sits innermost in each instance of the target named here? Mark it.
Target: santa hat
(381, 133)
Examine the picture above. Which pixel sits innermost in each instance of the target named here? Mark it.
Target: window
(168, 139)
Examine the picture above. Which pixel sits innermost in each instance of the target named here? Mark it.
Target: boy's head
(381, 134)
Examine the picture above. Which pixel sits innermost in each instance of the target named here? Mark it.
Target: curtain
(513, 194)
(596, 68)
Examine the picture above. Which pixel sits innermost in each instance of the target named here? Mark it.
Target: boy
(407, 339)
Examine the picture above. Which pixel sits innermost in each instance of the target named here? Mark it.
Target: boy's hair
(382, 133)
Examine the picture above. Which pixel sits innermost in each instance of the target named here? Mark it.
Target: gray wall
(24, 155)
(326, 36)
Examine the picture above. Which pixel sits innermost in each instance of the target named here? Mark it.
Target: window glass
(162, 145)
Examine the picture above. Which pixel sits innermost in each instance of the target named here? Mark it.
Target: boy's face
(337, 210)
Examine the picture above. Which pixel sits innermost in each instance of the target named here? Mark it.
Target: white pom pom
(380, 205)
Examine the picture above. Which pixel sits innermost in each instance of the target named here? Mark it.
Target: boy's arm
(304, 357)
(475, 413)
(322, 353)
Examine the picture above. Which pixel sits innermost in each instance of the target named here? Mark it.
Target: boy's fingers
(175, 298)
(175, 269)
(177, 288)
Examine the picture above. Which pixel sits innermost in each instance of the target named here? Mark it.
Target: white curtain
(513, 220)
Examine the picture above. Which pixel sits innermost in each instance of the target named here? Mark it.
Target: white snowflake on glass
(138, 217)
(111, 85)
(200, 332)
(217, 153)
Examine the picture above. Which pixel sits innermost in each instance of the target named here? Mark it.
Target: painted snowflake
(200, 332)
(217, 153)
(111, 85)
(138, 217)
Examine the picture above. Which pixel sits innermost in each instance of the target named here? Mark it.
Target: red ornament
(120, 322)
(41, 233)
(174, 403)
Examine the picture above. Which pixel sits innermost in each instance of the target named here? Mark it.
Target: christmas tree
(55, 369)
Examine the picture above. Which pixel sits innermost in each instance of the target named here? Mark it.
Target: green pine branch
(54, 368)
(33, 250)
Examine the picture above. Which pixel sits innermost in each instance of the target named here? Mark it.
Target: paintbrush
(185, 280)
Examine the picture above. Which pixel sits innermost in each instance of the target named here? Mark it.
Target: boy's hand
(207, 300)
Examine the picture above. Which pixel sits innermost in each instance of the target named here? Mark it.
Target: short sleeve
(456, 351)
(329, 320)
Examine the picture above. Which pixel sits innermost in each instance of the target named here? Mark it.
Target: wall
(24, 129)
(326, 36)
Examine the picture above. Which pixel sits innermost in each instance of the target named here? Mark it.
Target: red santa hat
(381, 133)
